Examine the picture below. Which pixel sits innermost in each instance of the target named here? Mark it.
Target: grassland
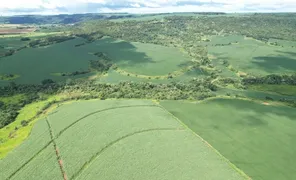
(251, 56)
(257, 138)
(114, 139)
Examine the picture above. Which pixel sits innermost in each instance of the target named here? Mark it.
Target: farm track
(62, 131)
(97, 155)
(59, 158)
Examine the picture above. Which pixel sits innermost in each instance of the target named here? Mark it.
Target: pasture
(114, 139)
(259, 139)
(253, 57)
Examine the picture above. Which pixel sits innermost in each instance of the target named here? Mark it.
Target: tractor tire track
(95, 112)
(29, 160)
(62, 131)
(59, 159)
(95, 156)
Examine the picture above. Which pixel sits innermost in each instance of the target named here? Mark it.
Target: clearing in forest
(114, 139)
(258, 139)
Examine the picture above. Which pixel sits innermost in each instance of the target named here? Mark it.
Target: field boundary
(59, 158)
(97, 155)
(243, 174)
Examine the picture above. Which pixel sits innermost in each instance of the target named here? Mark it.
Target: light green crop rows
(70, 113)
(257, 138)
(115, 139)
(158, 155)
(45, 166)
(99, 130)
(27, 151)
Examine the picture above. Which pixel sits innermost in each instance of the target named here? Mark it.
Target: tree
(47, 82)
(25, 39)
(24, 123)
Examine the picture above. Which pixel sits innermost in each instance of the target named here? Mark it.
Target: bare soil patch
(6, 31)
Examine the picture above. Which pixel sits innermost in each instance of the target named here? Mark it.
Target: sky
(47, 7)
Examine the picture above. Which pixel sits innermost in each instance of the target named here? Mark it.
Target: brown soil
(6, 31)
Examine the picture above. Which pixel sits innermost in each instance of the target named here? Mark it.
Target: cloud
(12, 7)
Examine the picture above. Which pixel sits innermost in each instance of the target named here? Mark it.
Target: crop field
(255, 57)
(62, 57)
(258, 138)
(14, 161)
(115, 139)
(139, 58)
(286, 90)
(136, 58)
(283, 43)
(7, 44)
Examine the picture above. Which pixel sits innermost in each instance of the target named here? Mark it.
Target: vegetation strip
(102, 110)
(60, 162)
(95, 156)
(210, 146)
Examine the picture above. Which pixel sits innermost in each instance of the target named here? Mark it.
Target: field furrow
(99, 111)
(97, 155)
(97, 131)
(56, 149)
(159, 155)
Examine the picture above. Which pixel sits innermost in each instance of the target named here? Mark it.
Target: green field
(252, 56)
(136, 58)
(259, 139)
(286, 90)
(140, 58)
(36, 64)
(19, 157)
(114, 139)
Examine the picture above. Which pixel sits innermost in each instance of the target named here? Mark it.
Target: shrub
(24, 123)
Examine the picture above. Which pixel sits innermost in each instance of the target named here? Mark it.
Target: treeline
(9, 111)
(192, 89)
(37, 43)
(197, 89)
(50, 40)
(271, 79)
(75, 73)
